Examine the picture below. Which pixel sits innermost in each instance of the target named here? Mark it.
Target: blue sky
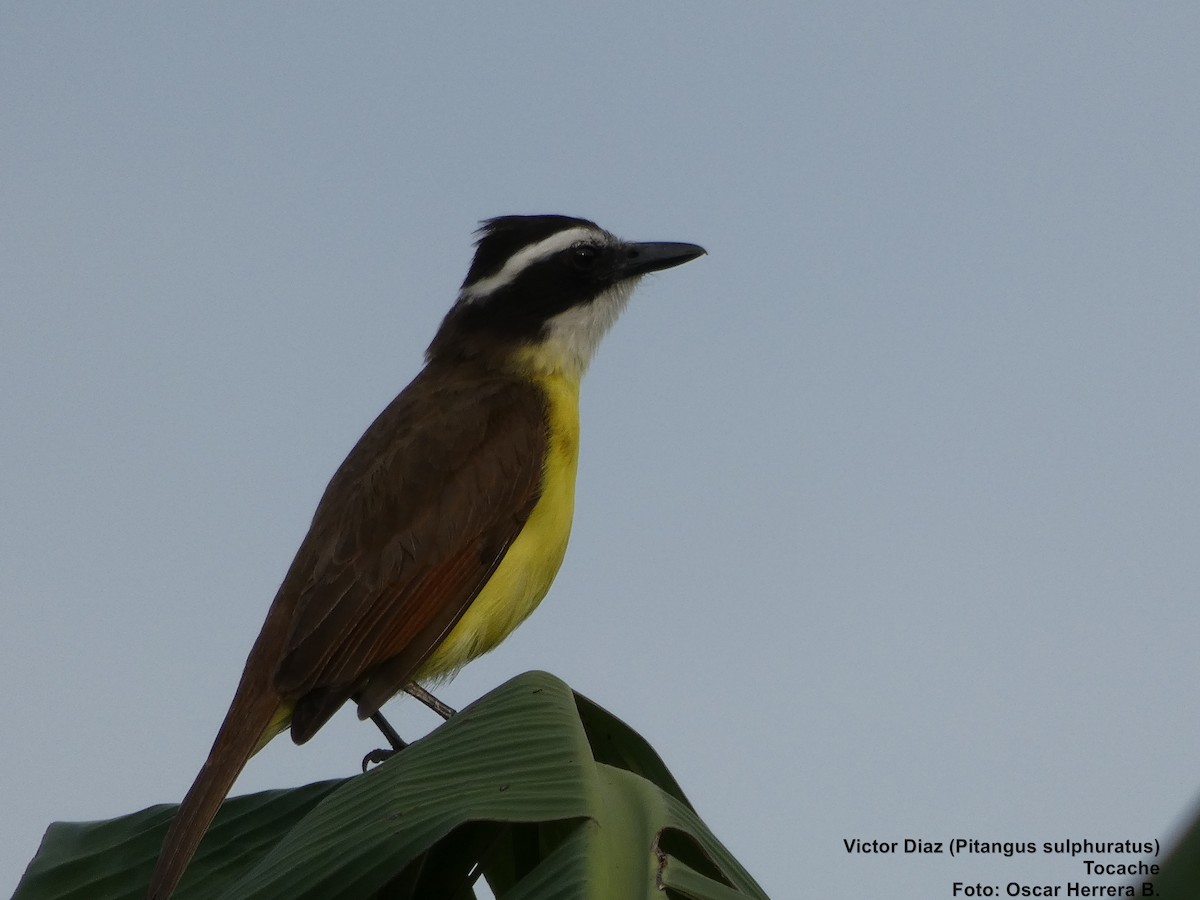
(886, 520)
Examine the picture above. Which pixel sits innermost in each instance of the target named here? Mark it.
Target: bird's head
(547, 288)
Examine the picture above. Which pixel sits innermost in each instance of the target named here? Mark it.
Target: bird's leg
(397, 742)
(379, 755)
(415, 690)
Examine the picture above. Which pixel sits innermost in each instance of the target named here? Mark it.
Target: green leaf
(545, 793)
(1180, 875)
(112, 860)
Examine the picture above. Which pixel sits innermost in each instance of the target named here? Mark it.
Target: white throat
(573, 336)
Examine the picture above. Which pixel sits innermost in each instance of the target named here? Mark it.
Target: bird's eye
(583, 256)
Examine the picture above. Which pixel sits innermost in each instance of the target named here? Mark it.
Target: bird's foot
(379, 755)
(376, 756)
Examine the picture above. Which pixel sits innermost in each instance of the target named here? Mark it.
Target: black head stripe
(500, 238)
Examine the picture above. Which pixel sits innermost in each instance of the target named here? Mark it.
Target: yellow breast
(527, 569)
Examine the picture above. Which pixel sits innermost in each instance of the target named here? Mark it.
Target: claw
(375, 757)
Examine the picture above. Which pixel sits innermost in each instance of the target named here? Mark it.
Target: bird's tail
(253, 719)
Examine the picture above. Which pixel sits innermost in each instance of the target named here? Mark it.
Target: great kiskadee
(443, 528)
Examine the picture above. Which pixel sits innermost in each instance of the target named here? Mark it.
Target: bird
(444, 527)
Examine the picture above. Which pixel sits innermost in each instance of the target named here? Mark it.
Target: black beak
(639, 259)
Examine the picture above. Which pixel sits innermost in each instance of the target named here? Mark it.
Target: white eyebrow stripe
(527, 256)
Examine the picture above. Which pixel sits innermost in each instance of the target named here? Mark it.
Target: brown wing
(408, 532)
